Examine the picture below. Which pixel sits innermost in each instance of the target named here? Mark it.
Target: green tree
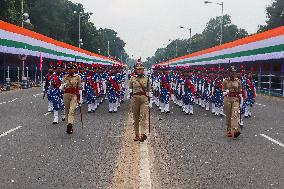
(275, 16)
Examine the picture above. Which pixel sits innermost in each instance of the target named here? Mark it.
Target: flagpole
(41, 65)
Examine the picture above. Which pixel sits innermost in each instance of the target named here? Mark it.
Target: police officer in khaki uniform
(232, 100)
(71, 85)
(140, 87)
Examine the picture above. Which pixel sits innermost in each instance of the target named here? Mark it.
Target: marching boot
(186, 109)
(93, 107)
(191, 109)
(236, 134)
(89, 108)
(217, 110)
(137, 138)
(143, 138)
(167, 108)
(50, 106)
(199, 102)
(115, 107)
(203, 104)
(69, 129)
(55, 117)
(246, 112)
(207, 106)
(110, 107)
(249, 111)
(229, 134)
(213, 108)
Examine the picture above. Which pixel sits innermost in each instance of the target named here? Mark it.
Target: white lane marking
(145, 179)
(47, 113)
(11, 130)
(10, 101)
(260, 104)
(272, 140)
(35, 95)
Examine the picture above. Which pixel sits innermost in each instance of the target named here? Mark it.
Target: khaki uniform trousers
(231, 107)
(139, 110)
(70, 102)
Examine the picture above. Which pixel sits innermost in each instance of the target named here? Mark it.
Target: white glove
(226, 92)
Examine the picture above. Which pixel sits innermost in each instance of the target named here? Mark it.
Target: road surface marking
(35, 95)
(47, 113)
(272, 140)
(11, 130)
(145, 182)
(10, 101)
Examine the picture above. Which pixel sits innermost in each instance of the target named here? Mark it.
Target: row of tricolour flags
(263, 46)
(20, 41)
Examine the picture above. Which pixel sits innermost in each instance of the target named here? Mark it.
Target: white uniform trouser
(165, 107)
(50, 106)
(56, 116)
(81, 96)
(112, 107)
(207, 106)
(213, 108)
(188, 109)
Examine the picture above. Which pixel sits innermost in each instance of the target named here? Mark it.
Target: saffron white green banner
(20, 41)
(264, 46)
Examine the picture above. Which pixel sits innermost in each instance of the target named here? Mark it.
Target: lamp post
(190, 37)
(222, 6)
(108, 48)
(80, 41)
(24, 16)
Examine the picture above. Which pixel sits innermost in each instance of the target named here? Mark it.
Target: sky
(146, 25)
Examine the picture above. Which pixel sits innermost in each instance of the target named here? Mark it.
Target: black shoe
(63, 119)
(54, 123)
(236, 134)
(143, 138)
(168, 112)
(186, 113)
(69, 129)
(110, 111)
(246, 116)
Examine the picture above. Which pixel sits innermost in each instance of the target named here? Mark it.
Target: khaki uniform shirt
(72, 81)
(233, 86)
(136, 87)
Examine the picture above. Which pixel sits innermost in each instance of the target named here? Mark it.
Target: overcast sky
(146, 25)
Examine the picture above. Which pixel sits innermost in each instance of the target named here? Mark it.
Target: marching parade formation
(225, 92)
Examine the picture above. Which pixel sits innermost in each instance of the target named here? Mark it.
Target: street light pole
(176, 48)
(79, 30)
(22, 13)
(222, 22)
(80, 42)
(108, 48)
(222, 18)
(190, 37)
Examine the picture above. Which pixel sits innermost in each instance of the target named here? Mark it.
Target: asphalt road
(181, 152)
(193, 151)
(42, 155)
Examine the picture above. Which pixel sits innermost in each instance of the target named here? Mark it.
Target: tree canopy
(275, 16)
(59, 19)
(208, 38)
